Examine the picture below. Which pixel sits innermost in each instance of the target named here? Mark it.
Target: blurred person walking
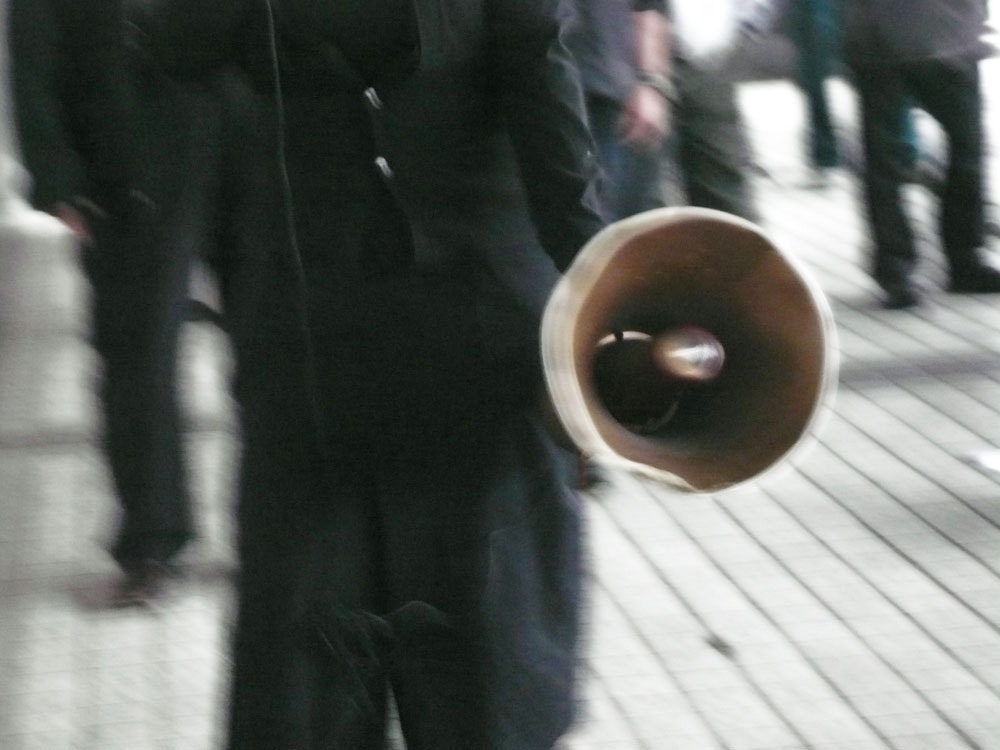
(124, 158)
(709, 151)
(622, 50)
(814, 26)
(929, 56)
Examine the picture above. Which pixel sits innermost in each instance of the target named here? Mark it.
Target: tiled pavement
(850, 602)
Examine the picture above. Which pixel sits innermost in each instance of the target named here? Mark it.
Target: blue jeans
(632, 176)
(814, 27)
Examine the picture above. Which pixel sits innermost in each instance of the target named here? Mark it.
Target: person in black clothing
(124, 158)
(928, 58)
(409, 179)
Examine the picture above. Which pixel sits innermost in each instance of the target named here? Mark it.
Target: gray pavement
(848, 602)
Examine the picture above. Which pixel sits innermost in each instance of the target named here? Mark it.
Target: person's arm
(543, 106)
(645, 118)
(72, 108)
(41, 123)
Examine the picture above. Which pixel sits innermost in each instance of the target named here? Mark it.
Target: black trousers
(454, 586)
(708, 154)
(435, 553)
(139, 269)
(949, 91)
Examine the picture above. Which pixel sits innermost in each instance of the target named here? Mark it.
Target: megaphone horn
(682, 344)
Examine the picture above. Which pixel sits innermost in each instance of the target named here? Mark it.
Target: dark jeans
(949, 91)
(814, 26)
(632, 176)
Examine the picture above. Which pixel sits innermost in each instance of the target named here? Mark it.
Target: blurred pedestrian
(622, 49)
(814, 27)
(410, 181)
(928, 55)
(122, 157)
(709, 149)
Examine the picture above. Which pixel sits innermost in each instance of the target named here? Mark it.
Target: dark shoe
(143, 584)
(900, 297)
(983, 280)
(925, 174)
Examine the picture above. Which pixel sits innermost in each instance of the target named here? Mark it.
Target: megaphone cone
(682, 344)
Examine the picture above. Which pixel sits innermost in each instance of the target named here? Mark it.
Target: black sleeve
(41, 120)
(543, 107)
(71, 100)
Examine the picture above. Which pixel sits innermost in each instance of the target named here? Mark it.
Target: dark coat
(476, 130)
(880, 32)
(436, 188)
(479, 115)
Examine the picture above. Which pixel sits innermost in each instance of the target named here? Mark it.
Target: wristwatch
(660, 83)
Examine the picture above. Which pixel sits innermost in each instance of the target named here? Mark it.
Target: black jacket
(478, 117)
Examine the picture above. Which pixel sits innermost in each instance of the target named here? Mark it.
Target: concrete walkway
(850, 602)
